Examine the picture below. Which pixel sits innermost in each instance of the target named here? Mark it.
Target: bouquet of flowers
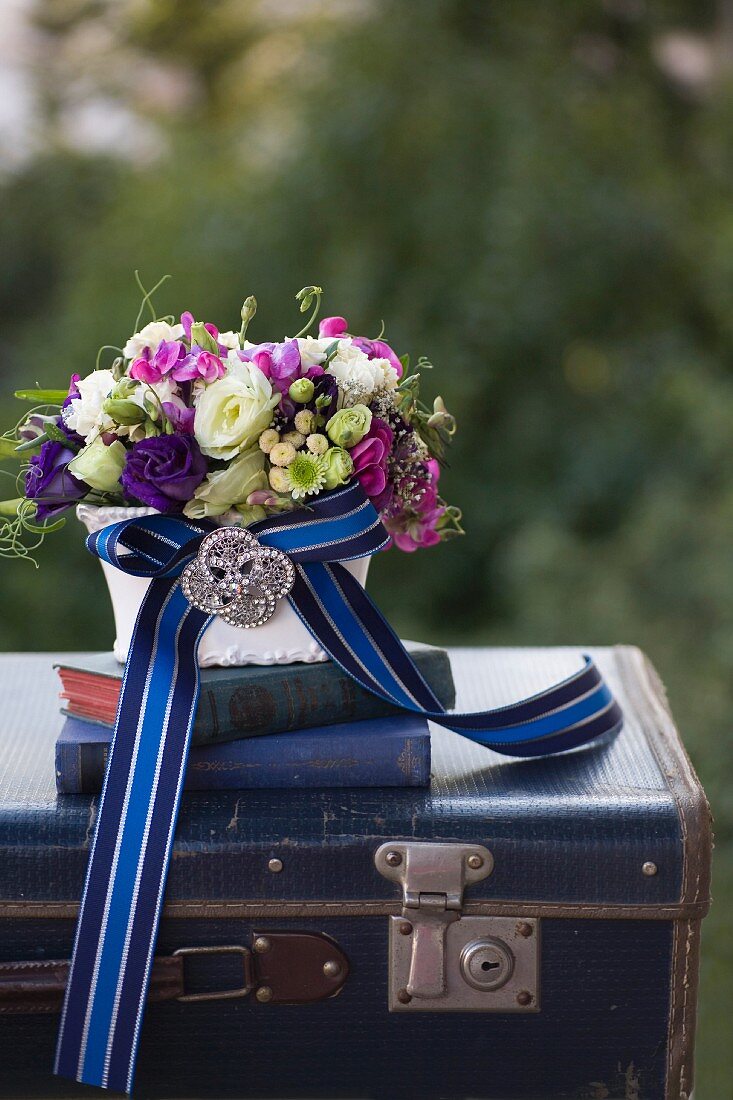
(188, 418)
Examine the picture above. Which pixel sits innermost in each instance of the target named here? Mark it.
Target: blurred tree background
(538, 196)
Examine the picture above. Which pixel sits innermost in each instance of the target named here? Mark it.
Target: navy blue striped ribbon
(128, 863)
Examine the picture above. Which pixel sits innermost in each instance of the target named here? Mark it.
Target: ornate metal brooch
(234, 577)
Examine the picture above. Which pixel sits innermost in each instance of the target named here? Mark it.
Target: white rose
(99, 465)
(224, 489)
(84, 414)
(313, 351)
(229, 340)
(352, 368)
(233, 411)
(151, 336)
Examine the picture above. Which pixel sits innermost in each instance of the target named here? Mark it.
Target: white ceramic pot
(282, 640)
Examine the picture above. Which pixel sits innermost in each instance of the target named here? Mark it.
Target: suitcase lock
(441, 960)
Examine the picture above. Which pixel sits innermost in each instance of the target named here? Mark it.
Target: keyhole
(489, 966)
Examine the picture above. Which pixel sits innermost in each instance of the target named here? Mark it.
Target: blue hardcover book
(377, 752)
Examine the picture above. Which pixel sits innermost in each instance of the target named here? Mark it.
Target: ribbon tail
(123, 894)
(352, 630)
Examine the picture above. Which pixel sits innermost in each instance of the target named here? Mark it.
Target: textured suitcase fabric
(570, 838)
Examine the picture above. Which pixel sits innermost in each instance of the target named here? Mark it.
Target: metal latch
(441, 960)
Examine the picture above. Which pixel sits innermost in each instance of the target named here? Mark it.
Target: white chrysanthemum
(313, 351)
(355, 371)
(84, 415)
(151, 336)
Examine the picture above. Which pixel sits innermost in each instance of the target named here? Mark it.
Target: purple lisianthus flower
(49, 483)
(164, 471)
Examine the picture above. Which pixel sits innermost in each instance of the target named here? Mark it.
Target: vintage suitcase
(522, 929)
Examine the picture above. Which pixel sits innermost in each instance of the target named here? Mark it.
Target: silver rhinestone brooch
(234, 577)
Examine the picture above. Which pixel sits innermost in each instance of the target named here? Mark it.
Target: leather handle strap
(37, 986)
(284, 968)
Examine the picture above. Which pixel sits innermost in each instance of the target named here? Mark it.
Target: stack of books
(262, 726)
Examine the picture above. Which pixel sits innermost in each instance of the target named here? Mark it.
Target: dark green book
(257, 699)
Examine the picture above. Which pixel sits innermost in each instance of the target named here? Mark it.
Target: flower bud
(123, 411)
(348, 427)
(201, 336)
(338, 467)
(441, 418)
(249, 308)
(301, 391)
(100, 465)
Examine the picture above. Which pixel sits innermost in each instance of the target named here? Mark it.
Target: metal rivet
(405, 928)
(264, 994)
(393, 859)
(524, 998)
(524, 929)
(403, 997)
(649, 868)
(275, 865)
(261, 945)
(474, 862)
(332, 968)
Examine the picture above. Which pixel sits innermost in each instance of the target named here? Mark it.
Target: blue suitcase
(521, 930)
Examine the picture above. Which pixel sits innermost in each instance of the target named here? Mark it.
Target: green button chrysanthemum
(307, 474)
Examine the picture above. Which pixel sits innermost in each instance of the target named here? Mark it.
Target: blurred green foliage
(539, 197)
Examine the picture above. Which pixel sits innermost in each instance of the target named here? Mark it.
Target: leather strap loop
(38, 986)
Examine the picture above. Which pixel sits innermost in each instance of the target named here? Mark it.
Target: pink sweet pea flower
(416, 529)
(166, 357)
(332, 326)
(199, 364)
(370, 458)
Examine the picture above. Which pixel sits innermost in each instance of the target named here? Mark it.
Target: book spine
(80, 768)
(278, 700)
(352, 759)
(227, 709)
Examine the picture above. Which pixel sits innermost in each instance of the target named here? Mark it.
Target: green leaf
(42, 397)
(31, 444)
(8, 447)
(10, 507)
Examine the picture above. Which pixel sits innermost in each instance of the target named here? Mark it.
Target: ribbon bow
(239, 576)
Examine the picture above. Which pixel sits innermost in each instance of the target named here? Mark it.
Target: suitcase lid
(619, 829)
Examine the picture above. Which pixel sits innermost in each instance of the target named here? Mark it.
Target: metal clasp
(221, 994)
(433, 877)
